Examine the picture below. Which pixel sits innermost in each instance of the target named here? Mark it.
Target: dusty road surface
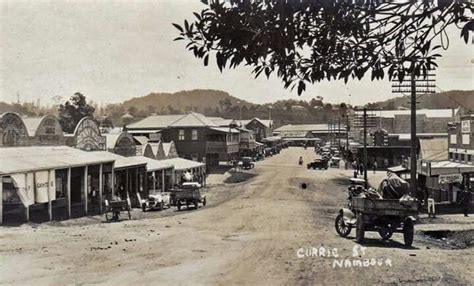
(251, 233)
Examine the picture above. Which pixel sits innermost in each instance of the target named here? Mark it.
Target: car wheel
(385, 233)
(341, 227)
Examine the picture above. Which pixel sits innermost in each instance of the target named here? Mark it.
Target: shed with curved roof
(13, 131)
(46, 130)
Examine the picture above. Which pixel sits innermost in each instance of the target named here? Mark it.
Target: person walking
(361, 169)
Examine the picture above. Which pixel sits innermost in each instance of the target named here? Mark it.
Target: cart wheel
(204, 202)
(385, 233)
(341, 227)
(179, 205)
(144, 207)
(408, 232)
(360, 229)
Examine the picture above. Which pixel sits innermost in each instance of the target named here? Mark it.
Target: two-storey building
(195, 136)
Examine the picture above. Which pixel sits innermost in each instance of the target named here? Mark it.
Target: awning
(396, 169)
(181, 164)
(448, 167)
(155, 165)
(36, 158)
(143, 131)
(301, 139)
(271, 139)
(121, 162)
(225, 130)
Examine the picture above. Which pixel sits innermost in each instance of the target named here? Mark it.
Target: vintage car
(188, 194)
(247, 163)
(268, 152)
(366, 212)
(318, 164)
(335, 162)
(156, 200)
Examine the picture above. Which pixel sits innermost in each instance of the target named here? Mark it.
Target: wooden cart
(113, 209)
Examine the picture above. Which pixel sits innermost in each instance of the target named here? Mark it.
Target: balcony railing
(222, 147)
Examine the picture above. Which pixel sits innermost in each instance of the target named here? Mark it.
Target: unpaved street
(249, 234)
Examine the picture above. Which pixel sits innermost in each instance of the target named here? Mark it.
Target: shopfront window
(181, 135)
(195, 134)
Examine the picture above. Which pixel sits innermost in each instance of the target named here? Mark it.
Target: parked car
(156, 200)
(318, 164)
(188, 194)
(268, 152)
(247, 163)
(335, 162)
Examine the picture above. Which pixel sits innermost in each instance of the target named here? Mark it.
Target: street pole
(413, 137)
(365, 149)
(347, 133)
(339, 132)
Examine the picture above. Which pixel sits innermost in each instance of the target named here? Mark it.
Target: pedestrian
(466, 201)
(375, 166)
(361, 169)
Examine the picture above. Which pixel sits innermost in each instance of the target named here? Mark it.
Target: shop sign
(450, 179)
(466, 126)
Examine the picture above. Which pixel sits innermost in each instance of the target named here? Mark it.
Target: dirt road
(251, 233)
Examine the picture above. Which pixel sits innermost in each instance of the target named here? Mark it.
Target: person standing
(466, 201)
(375, 166)
(361, 168)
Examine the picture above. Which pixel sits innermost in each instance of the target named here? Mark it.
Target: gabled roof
(265, 122)
(142, 140)
(155, 122)
(193, 120)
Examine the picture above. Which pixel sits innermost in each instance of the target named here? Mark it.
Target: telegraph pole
(365, 149)
(414, 85)
(339, 132)
(413, 160)
(347, 134)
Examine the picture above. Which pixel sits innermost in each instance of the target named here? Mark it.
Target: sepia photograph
(236, 142)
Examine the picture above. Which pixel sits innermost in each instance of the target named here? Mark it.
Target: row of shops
(46, 174)
(58, 182)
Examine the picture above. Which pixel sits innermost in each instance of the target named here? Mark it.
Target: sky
(114, 51)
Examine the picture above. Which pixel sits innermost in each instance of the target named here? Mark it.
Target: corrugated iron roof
(25, 159)
(193, 119)
(32, 124)
(308, 127)
(155, 122)
(225, 129)
(433, 113)
(181, 164)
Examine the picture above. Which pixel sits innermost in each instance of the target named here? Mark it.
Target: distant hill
(198, 100)
(448, 99)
